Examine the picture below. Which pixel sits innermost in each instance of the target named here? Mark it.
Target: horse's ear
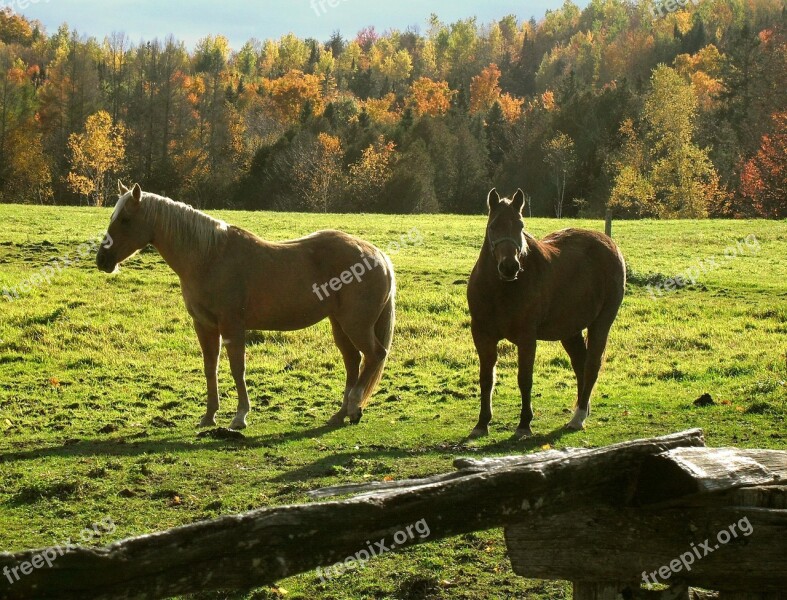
(493, 200)
(519, 201)
(136, 193)
(122, 189)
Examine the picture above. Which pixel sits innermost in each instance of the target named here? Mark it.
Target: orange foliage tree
(485, 91)
(764, 176)
(428, 97)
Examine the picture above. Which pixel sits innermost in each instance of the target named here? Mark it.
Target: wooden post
(630, 591)
(608, 224)
(602, 591)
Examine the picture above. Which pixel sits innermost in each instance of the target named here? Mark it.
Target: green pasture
(101, 386)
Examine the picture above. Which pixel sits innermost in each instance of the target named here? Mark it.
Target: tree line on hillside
(617, 107)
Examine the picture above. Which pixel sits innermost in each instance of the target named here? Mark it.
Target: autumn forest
(617, 107)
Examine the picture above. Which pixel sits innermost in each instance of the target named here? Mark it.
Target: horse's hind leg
(352, 364)
(374, 355)
(577, 352)
(236, 351)
(598, 333)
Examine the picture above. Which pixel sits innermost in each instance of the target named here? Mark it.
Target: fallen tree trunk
(261, 547)
(712, 518)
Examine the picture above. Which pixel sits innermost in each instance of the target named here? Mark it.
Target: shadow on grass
(334, 464)
(522, 445)
(131, 446)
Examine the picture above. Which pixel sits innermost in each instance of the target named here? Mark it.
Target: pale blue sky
(240, 20)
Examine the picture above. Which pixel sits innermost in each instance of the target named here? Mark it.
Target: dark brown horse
(524, 290)
(232, 281)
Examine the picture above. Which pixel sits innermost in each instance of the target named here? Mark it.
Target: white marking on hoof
(578, 422)
(523, 433)
(336, 420)
(239, 422)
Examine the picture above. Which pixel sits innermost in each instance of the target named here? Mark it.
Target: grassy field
(101, 386)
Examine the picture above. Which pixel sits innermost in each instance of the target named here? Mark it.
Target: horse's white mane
(187, 226)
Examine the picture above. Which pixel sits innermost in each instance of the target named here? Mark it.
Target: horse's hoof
(523, 432)
(578, 422)
(336, 421)
(208, 421)
(478, 432)
(238, 423)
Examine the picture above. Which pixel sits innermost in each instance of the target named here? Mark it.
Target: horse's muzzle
(509, 270)
(106, 262)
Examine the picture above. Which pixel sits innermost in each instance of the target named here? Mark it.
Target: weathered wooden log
(752, 596)
(261, 547)
(711, 518)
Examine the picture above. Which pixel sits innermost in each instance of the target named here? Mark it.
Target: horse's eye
(125, 220)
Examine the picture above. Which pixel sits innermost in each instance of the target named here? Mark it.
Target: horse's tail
(383, 330)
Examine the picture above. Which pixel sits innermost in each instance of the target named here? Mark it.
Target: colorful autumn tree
(96, 157)
(677, 178)
(289, 94)
(371, 173)
(485, 89)
(485, 92)
(428, 97)
(764, 176)
(317, 172)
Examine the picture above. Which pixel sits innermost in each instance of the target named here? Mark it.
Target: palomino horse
(524, 290)
(233, 281)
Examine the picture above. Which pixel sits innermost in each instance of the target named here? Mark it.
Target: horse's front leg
(210, 342)
(486, 347)
(527, 356)
(236, 351)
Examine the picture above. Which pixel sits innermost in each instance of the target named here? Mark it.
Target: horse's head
(128, 230)
(505, 233)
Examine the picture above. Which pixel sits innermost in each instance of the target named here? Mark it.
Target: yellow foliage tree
(318, 173)
(289, 94)
(382, 110)
(29, 177)
(372, 172)
(96, 155)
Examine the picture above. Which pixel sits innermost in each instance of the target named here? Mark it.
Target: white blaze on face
(119, 207)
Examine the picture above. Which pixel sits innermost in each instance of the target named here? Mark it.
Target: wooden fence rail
(597, 517)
